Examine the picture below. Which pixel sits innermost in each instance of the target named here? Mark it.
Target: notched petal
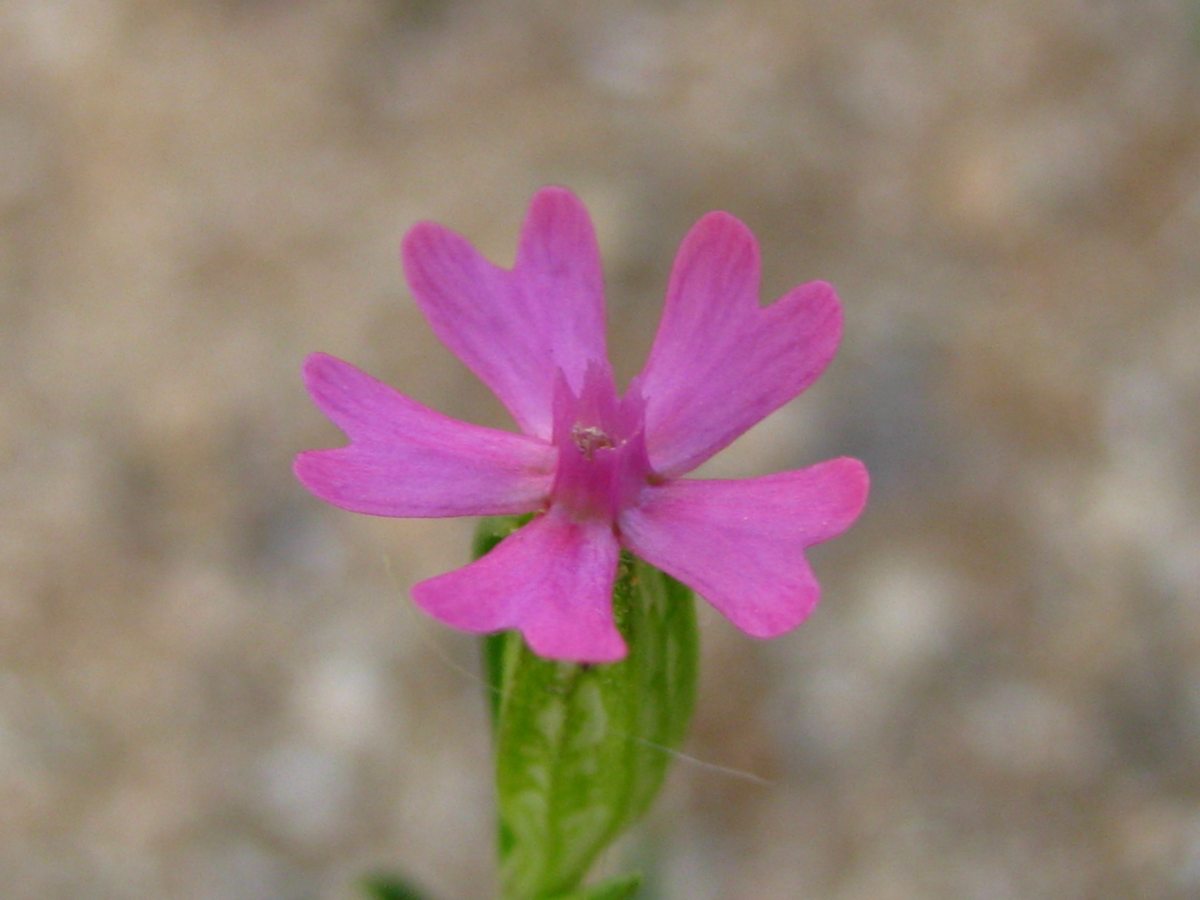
(408, 460)
(552, 580)
(740, 544)
(720, 362)
(515, 329)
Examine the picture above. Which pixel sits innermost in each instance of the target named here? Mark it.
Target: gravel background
(213, 686)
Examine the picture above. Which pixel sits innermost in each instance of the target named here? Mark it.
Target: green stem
(582, 750)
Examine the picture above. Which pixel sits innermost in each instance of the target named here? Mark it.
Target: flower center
(589, 438)
(602, 463)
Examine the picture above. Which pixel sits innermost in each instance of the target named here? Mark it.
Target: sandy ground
(214, 686)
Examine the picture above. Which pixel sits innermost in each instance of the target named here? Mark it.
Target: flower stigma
(590, 438)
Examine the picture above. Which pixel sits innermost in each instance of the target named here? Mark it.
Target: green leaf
(620, 888)
(390, 887)
(490, 532)
(581, 750)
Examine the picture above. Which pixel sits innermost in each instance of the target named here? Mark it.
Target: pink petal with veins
(552, 580)
(517, 328)
(720, 362)
(740, 543)
(408, 460)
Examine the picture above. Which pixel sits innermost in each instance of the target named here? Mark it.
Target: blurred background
(214, 686)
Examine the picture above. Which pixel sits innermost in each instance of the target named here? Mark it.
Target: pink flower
(601, 471)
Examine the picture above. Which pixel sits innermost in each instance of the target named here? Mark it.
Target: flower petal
(408, 460)
(552, 579)
(739, 543)
(515, 329)
(720, 362)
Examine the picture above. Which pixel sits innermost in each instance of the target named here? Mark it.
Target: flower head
(600, 470)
